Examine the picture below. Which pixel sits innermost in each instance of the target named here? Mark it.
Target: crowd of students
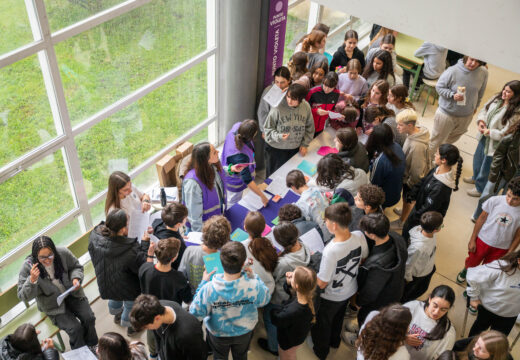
(366, 269)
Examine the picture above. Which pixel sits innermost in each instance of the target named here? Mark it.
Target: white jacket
(498, 291)
(421, 254)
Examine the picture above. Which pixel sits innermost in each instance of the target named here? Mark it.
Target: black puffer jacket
(116, 262)
(340, 58)
(8, 352)
(160, 230)
(430, 194)
(381, 277)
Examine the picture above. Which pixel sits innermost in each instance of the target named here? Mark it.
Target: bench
(31, 314)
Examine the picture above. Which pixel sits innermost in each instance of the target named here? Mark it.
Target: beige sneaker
(473, 192)
(468, 180)
(398, 211)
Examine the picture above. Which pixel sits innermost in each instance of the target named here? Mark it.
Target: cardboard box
(168, 166)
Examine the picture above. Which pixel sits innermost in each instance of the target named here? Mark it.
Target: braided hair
(452, 156)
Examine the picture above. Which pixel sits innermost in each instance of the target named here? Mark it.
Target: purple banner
(275, 38)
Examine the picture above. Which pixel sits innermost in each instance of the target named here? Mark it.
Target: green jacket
(505, 159)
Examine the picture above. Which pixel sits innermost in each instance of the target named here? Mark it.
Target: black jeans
(238, 345)
(78, 322)
(275, 158)
(326, 332)
(416, 287)
(486, 319)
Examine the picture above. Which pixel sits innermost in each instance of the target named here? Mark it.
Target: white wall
(486, 29)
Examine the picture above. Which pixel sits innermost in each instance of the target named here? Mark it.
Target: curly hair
(216, 232)
(384, 333)
(514, 186)
(372, 195)
(289, 212)
(332, 170)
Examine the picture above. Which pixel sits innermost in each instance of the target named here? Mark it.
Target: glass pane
(25, 114)
(126, 139)
(15, 29)
(297, 18)
(32, 200)
(97, 212)
(333, 18)
(103, 64)
(66, 234)
(62, 13)
(10, 273)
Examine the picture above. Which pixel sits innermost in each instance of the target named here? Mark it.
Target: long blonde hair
(305, 280)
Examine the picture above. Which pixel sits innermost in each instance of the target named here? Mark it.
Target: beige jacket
(416, 151)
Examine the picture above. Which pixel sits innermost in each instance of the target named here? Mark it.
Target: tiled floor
(452, 240)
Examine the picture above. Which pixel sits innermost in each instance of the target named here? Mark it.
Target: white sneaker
(396, 225)
(398, 211)
(349, 338)
(468, 180)
(473, 192)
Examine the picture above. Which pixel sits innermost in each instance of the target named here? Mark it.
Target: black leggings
(486, 319)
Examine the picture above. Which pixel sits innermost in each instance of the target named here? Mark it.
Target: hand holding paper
(62, 296)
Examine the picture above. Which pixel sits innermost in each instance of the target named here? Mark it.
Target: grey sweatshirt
(287, 263)
(264, 108)
(297, 122)
(458, 75)
(498, 291)
(416, 150)
(434, 59)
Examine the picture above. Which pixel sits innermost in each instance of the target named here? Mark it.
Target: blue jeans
(272, 340)
(121, 307)
(487, 193)
(481, 165)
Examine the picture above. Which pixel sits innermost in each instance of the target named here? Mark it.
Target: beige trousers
(447, 130)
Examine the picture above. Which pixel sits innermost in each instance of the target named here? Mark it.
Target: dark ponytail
(43, 242)
(452, 156)
(380, 141)
(245, 133)
(260, 247)
(116, 220)
(286, 234)
(443, 324)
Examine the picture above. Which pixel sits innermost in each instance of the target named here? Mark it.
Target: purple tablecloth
(237, 213)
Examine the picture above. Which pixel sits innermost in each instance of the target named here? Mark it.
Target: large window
(86, 88)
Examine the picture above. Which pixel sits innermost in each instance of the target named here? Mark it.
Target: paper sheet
(276, 220)
(194, 237)
(267, 230)
(307, 167)
(278, 187)
(82, 353)
(139, 223)
(239, 235)
(363, 138)
(334, 115)
(252, 202)
(63, 295)
(313, 240)
(325, 150)
(274, 96)
(212, 262)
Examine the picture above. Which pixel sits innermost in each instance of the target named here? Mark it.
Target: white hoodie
(498, 291)
(447, 179)
(421, 254)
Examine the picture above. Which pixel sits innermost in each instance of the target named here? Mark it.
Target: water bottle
(163, 197)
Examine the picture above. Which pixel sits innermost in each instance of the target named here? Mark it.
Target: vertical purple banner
(275, 38)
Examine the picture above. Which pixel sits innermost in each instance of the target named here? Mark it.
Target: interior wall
(487, 30)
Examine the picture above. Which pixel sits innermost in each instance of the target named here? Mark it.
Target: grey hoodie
(498, 291)
(286, 263)
(457, 75)
(416, 150)
(297, 122)
(434, 59)
(264, 108)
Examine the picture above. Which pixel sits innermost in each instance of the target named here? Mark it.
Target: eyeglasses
(43, 258)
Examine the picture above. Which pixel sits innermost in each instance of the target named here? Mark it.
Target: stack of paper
(274, 96)
(194, 237)
(252, 202)
(82, 353)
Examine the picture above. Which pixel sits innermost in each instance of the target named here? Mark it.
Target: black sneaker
(117, 319)
(263, 344)
(130, 331)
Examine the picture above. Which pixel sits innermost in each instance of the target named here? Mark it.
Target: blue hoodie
(457, 75)
(229, 308)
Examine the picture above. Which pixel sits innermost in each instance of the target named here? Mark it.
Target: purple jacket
(234, 182)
